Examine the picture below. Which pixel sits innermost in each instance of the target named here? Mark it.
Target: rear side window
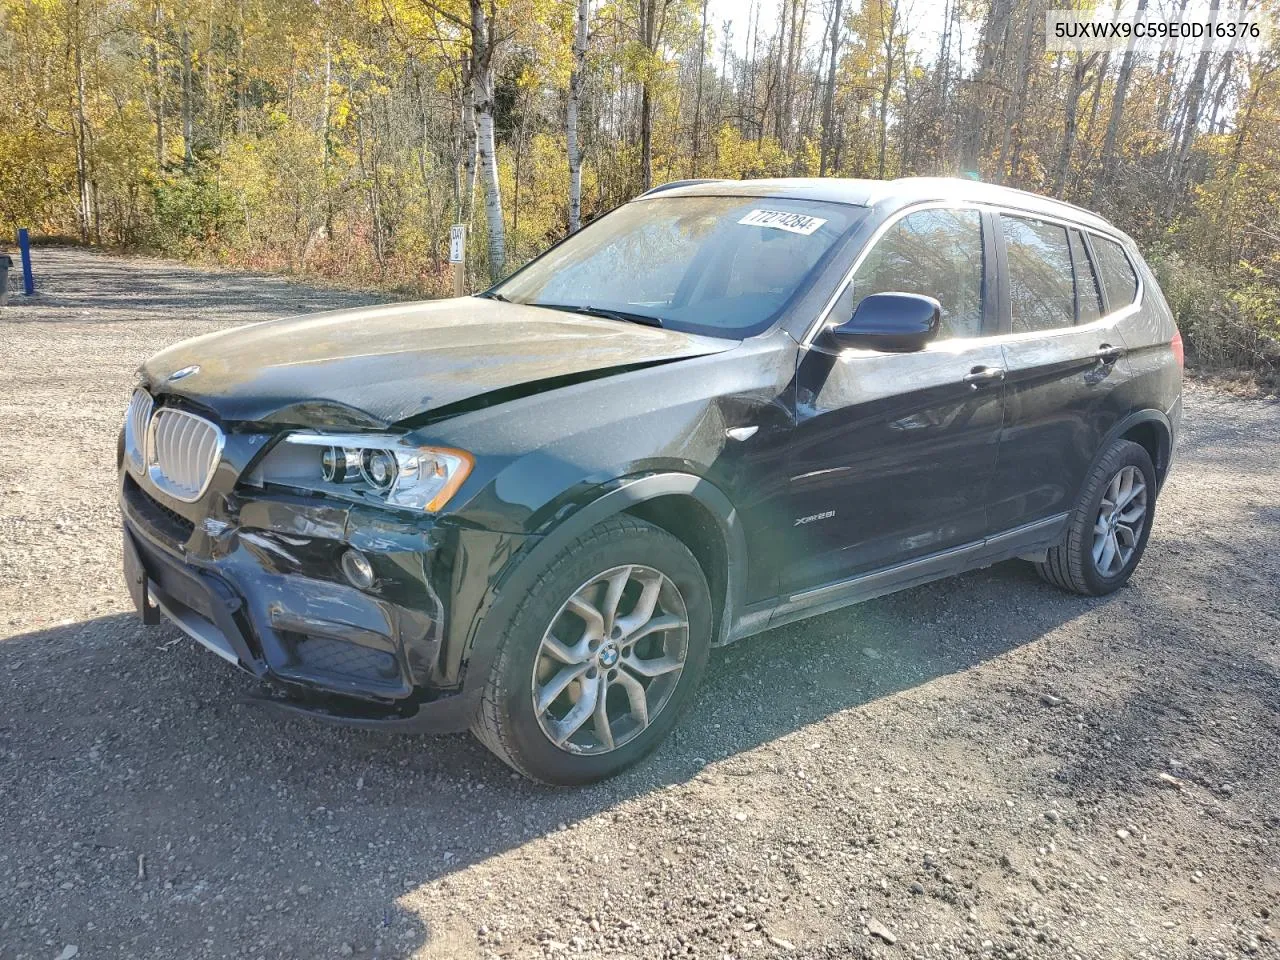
(1041, 288)
(1088, 300)
(937, 253)
(1118, 278)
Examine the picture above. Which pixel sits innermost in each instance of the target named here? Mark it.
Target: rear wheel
(600, 657)
(1108, 529)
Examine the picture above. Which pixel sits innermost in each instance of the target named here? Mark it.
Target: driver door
(893, 453)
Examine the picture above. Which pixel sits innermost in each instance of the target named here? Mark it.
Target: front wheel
(601, 656)
(1108, 529)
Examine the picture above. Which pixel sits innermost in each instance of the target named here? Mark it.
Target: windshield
(721, 266)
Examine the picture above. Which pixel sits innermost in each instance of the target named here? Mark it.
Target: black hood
(379, 365)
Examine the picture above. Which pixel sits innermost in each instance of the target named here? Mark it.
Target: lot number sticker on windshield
(800, 223)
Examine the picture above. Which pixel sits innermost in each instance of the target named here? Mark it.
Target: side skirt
(1027, 540)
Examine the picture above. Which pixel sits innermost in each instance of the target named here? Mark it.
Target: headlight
(379, 469)
(340, 464)
(419, 478)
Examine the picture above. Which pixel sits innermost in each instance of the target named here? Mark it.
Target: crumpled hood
(379, 365)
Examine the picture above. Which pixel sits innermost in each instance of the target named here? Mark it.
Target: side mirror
(891, 322)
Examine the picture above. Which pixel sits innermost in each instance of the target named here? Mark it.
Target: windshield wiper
(491, 295)
(606, 312)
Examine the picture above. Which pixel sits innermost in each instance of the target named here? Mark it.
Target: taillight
(1176, 345)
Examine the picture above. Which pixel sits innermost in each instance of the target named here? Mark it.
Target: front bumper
(260, 586)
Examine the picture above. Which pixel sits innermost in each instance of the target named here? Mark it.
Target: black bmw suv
(723, 407)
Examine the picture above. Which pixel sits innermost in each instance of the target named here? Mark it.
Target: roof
(891, 193)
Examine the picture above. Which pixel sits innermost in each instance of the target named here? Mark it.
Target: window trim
(995, 272)
(1091, 265)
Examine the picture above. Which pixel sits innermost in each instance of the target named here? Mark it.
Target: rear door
(893, 453)
(1064, 356)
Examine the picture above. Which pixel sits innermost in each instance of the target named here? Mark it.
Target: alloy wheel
(1121, 517)
(610, 659)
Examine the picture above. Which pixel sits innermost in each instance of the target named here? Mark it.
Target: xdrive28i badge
(824, 515)
(184, 372)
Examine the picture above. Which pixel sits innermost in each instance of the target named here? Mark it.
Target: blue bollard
(24, 247)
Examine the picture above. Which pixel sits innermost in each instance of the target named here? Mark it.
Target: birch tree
(835, 29)
(1117, 114)
(1190, 124)
(484, 39)
(1080, 67)
(576, 78)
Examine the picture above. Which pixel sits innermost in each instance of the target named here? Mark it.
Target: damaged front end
(296, 498)
(340, 603)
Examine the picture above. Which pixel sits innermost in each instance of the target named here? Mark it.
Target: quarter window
(937, 253)
(1088, 300)
(1041, 289)
(1118, 278)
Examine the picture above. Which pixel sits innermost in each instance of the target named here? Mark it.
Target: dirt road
(981, 767)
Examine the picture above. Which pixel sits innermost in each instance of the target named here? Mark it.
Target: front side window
(1118, 277)
(937, 253)
(1041, 288)
(722, 266)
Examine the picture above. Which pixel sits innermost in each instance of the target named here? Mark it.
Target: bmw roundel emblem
(184, 372)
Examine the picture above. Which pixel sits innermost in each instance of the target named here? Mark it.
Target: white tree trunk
(467, 189)
(482, 43)
(188, 110)
(327, 145)
(1182, 143)
(829, 93)
(1020, 98)
(157, 74)
(489, 176)
(697, 104)
(571, 116)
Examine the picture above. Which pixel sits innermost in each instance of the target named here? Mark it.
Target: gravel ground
(979, 767)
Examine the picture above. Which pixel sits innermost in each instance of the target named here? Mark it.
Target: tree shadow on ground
(1204, 708)
(128, 741)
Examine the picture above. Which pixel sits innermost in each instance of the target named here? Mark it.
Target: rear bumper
(277, 607)
(1174, 413)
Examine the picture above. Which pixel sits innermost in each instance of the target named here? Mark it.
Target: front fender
(473, 652)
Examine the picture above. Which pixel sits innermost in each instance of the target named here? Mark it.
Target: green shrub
(1228, 319)
(191, 212)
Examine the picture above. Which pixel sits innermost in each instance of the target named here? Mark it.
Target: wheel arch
(1150, 429)
(694, 524)
(690, 508)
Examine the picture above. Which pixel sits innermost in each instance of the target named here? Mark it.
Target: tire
(649, 562)
(1071, 564)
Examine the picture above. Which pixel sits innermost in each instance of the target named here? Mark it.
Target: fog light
(358, 569)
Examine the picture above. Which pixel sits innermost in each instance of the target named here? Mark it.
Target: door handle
(1106, 353)
(981, 376)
